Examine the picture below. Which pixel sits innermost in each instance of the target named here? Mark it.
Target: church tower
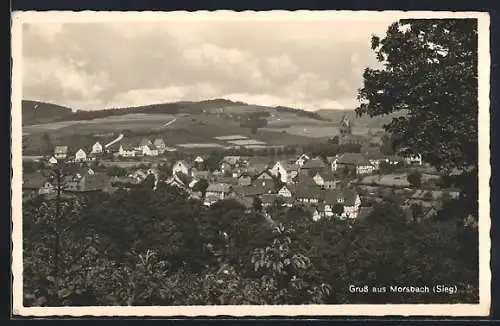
(345, 127)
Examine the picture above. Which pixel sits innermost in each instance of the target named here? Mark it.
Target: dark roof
(332, 196)
(309, 192)
(353, 159)
(327, 175)
(219, 187)
(158, 141)
(314, 163)
(306, 180)
(145, 141)
(269, 198)
(252, 190)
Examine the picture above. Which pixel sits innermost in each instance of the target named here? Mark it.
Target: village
(346, 185)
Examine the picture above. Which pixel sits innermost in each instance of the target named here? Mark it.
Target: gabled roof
(327, 175)
(306, 180)
(186, 164)
(158, 141)
(203, 174)
(219, 187)
(315, 163)
(353, 159)
(268, 198)
(231, 160)
(306, 191)
(332, 196)
(145, 141)
(259, 161)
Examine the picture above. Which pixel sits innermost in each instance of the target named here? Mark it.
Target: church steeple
(345, 126)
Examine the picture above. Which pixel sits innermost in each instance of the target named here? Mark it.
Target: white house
(285, 191)
(348, 198)
(80, 155)
(301, 159)
(126, 151)
(61, 152)
(280, 168)
(149, 150)
(182, 167)
(199, 160)
(355, 161)
(415, 159)
(96, 148)
(216, 192)
(319, 179)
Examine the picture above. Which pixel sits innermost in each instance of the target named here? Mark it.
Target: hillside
(365, 121)
(35, 112)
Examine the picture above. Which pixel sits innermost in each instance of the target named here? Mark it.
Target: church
(346, 136)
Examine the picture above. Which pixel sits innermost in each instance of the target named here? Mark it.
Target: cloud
(45, 77)
(313, 64)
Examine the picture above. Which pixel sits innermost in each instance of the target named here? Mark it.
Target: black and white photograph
(250, 163)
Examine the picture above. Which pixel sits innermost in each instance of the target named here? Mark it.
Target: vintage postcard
(331, 163)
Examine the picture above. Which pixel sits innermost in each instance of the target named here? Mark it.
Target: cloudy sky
(304, 64)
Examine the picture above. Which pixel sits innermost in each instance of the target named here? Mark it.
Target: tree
(338, 209)
(201, 186)
(430, 79)
(257, 204)
(415, 178)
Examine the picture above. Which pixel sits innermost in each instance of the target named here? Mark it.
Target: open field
(231, 137)
(200, 145)
(191, 129)
(244, 142)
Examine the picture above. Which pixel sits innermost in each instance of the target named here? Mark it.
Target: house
(96, 148)
(312, 166)
(144, 142)
(126, 150)
(268, 199)
(287, 191)
(309, 194)
(354, 161)
(80, 155)
(244, 179)
(52, 160)
(301, 160)
(256, 165)
(149, 150)
(88, 183)
(346, 197)
(266, 183)
(160, 145)
(181, 166)
(61, 152)
(216, 192)
(318, 179)
(413, 159)
(264, 175)
(314, 211)
(36, 184)
(329, 179)
(203, 174)
(287, 170)
(199, 162)
(352, 140)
